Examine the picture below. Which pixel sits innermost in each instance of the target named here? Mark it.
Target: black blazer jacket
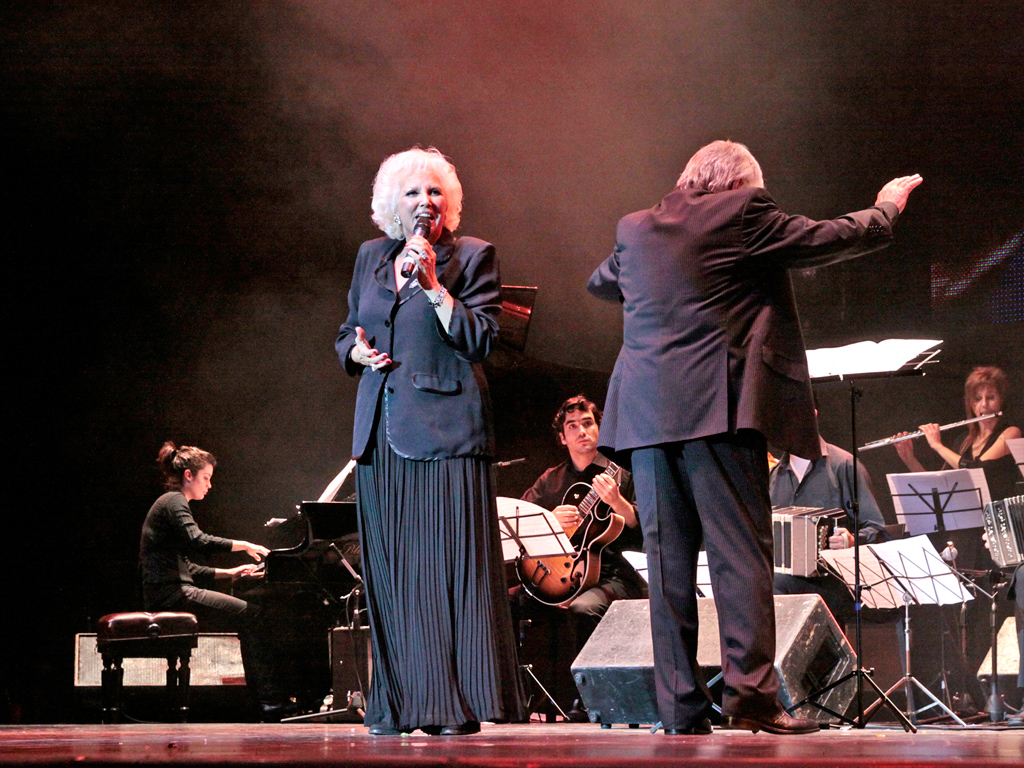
(435, 399)
(711, 338)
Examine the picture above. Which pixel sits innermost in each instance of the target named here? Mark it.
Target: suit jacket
(711, 337)
(435, 399)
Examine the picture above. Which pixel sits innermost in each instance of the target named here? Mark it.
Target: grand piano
(309, 586)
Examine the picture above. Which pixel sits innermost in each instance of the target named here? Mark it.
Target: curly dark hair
(575, 403)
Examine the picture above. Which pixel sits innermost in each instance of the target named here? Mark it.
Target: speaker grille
(216, 661)
(615, 670)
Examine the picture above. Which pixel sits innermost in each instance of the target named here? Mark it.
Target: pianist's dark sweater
(169, 536)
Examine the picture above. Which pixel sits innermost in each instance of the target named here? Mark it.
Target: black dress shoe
(778, 722)
(383, 729)
(701, 728)
(465, 729)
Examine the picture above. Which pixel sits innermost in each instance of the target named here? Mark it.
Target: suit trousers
(713, 489)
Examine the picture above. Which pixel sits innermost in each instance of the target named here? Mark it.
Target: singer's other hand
(363, 354)
(898, 190)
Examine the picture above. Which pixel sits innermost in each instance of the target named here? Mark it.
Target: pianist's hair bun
(174, 461)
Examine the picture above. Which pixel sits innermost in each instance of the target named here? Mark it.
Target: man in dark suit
(711, 367)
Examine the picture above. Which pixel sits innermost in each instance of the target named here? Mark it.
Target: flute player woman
(986, 391)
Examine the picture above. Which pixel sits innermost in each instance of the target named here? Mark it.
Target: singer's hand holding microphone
(418, 251)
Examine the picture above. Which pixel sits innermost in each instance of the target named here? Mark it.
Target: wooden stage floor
(498, 746)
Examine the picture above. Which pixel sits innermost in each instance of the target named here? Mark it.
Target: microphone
(950, 554)
(422, 227)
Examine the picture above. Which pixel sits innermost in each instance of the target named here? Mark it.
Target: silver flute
(911, 435)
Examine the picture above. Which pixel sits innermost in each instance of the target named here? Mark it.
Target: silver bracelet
(435, 303)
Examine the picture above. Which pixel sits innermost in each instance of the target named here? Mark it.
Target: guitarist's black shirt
(549, 491)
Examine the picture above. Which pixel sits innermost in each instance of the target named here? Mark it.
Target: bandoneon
(800, 533)
(1004, 524)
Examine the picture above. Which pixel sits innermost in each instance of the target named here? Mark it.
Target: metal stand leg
(996, 713)
(908, 681)
(528, 669)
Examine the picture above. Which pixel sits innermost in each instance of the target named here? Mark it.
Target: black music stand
(937, 502)
(855, 362)
(529, 530)
(923, 578)
(1016, 446)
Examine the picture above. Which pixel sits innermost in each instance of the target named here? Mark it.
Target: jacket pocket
(787, 366)
(425, 382)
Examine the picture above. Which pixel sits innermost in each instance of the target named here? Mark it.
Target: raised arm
(800, 242)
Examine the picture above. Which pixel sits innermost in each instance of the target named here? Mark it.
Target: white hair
(393, 172)
(716, 166)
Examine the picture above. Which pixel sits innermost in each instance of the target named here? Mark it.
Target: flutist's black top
(1002, 475)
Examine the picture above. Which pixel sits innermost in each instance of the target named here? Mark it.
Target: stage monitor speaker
(615, 670)
(216, 661)
(351, 665)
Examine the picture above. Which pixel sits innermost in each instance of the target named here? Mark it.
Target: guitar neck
(586, 506)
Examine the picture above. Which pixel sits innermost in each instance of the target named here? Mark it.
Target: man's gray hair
(716, 166)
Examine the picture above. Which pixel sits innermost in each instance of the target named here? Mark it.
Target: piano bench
(170, 636)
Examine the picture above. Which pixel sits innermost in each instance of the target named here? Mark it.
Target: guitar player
(577, 425)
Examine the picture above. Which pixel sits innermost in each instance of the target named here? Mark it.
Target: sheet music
(866, 356)
(639, 562)
(332, 488)
(703, 575)
(1016, 446)
(921, 571)
(961, 495)
(532, 526)
(878, 590)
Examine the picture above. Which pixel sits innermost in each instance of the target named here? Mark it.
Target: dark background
(185, 186)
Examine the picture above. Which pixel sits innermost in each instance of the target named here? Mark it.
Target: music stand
(1016, 446)
(924, 578)
(862, 573)
(935, 502)
(868, 360)
(529, 530)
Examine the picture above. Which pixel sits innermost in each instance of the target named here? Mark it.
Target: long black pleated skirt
(443, 649)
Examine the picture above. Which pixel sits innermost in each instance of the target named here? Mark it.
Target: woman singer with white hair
(423, 308)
